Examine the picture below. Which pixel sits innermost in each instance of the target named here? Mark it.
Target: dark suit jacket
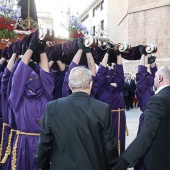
(77, 134)
(154, 137)
(132, 85)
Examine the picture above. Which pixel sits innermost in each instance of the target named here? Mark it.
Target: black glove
(151, 59)
(82, 46)
(33, 44)
(23, 46)
(142, 50)
(36, 57)
(80, 43)
(112, 52)
(41, 46)
(53, 56)
(4, 53)
(120, 164)
(37, 45)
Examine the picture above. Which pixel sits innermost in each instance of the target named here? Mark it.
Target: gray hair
(80, 78)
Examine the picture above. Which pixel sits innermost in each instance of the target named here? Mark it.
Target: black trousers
(126, 98)
(131, 97)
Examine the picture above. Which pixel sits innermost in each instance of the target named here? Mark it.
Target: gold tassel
(8, 148)
(2, 139)
(119, 131)
(119, 147)
(119, 117)
(14, 152)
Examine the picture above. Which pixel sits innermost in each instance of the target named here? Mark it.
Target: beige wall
(147, 22)
(123, 9)
(138, 22)
(112, 19)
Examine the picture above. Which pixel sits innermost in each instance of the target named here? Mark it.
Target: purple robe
(113, 96)
(5, 85)
(28, 112)
(144, 85)
(58, 79)
(4, 98)
(1, 118)
(133, 54)
(66, 51)
(11, 119)
(65, 89)
(144, 90)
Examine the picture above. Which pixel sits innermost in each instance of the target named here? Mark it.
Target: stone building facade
(136, 22)
(145, 22)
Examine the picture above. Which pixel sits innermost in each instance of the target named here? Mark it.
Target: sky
(58, 5)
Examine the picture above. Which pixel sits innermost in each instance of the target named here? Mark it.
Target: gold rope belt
(8, 148)
(119, 110)
(14, 151)
(2, 139)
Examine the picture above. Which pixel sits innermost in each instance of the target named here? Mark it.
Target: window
(102, 2)
(94, 30)
(102, 24)
(93, 12)
(98, 7)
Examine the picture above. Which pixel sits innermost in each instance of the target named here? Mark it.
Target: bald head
(80, 79)
(162, 77)
(165, 72)
(129, 77)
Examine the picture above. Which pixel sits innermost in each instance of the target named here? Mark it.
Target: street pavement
(132, 121)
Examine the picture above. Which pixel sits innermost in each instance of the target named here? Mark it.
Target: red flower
(76, 34)
(10, 21)
(3, 18)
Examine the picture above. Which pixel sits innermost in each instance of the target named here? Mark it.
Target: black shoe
(127, 109)
(131, 107)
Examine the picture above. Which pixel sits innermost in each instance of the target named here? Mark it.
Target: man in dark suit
(131, 90)
(153, 140)
(77, 131)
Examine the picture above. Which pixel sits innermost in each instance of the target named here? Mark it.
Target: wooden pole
(29, 20)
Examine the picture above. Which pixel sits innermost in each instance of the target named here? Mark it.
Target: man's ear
(160, 78)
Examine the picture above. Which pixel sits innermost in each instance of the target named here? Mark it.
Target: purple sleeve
(153, 70)
(72, 65)
(59, 84)
(141, 80)
(65, 88)
(141, 85)
(119, 76)
(5, 80)
(12, 72)
(19, 79)
(94, 87)
(101, 76)
(4, 97)
(48, 84)
(61, 79)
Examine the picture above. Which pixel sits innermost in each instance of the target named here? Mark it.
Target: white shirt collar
(159, 89)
